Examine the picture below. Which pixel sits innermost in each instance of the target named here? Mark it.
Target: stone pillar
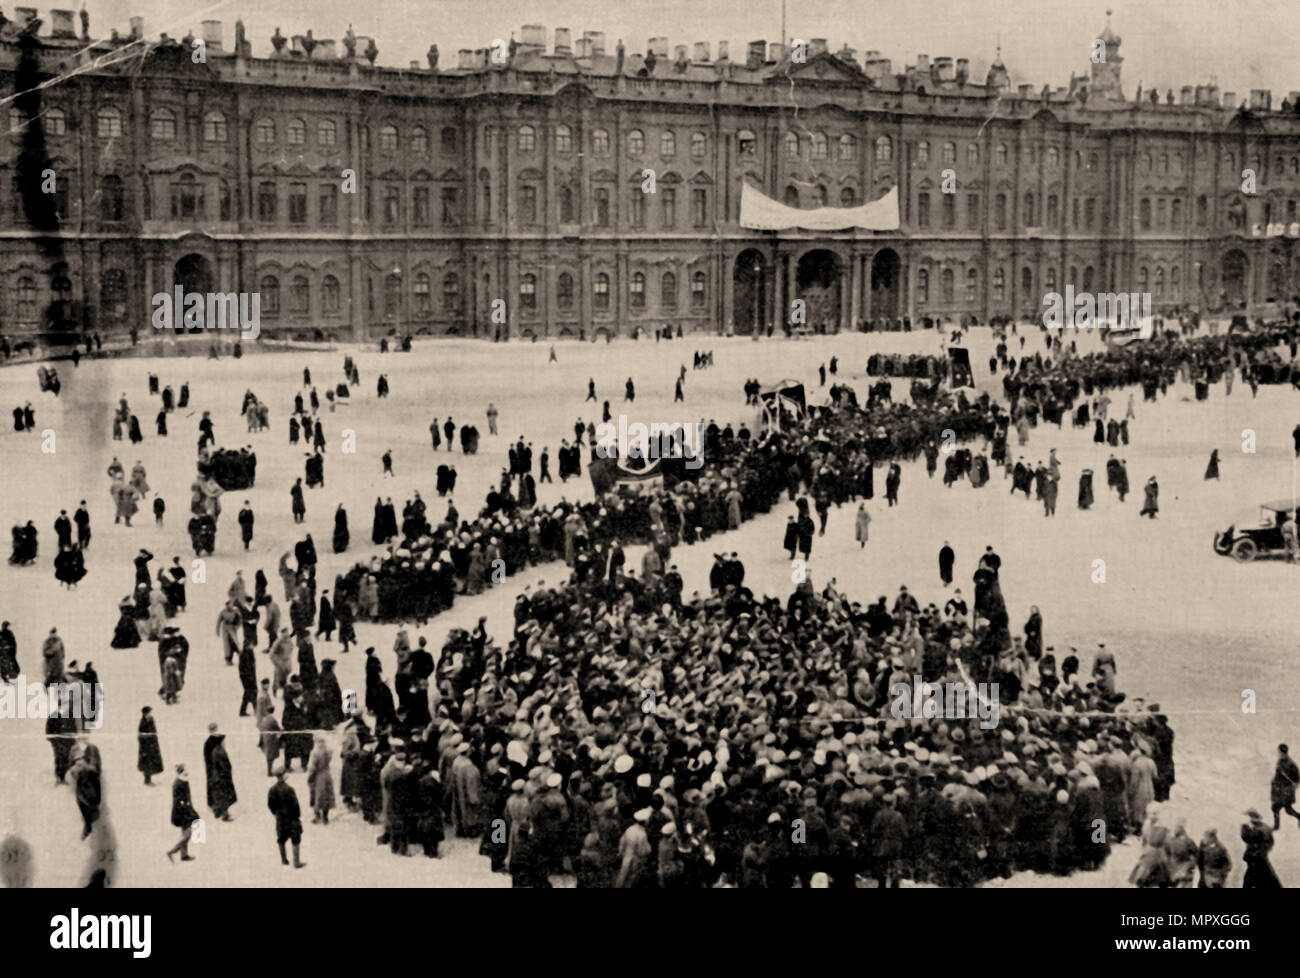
(855, 290)
(781, 300)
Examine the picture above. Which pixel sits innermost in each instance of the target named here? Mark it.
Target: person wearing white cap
(634, 854)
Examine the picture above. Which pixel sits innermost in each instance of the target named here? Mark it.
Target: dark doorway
(749, 309)
(1235, 267)
(886, 283)
(817, 281)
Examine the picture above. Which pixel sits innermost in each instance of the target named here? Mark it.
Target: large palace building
(579, 189)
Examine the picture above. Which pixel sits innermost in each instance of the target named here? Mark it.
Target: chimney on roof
(562, 45)
(137, 25)
(701, 52)
(847, 53)
(582, 47)
(325, 51)
(776, 52)
(963, 71)
(61, 24)
(1229, 100)
(597, 39)
(1026, 91)
(816, 46)
(943, 70)
(1261, 99)
(534, 35)
(923, 63)
(25, 15)
(754, 55)
(724, 51)
(1187, 95)
(465, 58)
(659, 45)
(212, 35)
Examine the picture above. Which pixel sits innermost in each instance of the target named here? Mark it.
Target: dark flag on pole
(959, 358)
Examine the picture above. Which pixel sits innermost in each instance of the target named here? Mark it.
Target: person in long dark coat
(1259, 841)
(1212, 470)
(149, 759)
(126, 635)
(1151, 498)
(1099, 432)
(9, 668)
(946, 558)
(183, 814)
(379, 530)
(325, 619)
(248, 677)
(341, 535)
(221, 781)
(1286, 775)
(1085, 489)
(328, 705)
(347, 633)
(161, 421)
(298, 507)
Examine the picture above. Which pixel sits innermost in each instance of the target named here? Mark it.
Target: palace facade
(573, 189)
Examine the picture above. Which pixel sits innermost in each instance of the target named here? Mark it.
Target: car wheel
(1244, 551)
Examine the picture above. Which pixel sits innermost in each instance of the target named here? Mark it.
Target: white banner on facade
(762, 213)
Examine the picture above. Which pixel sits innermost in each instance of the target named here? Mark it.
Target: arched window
(792, 146)
(1144, 213)
(450, 293)
(922, 286)
(1175, 280)
(1030, 216)
(635, 143)
(266, 201)
(264, 132)
(1027, 281)
(1202, 210)
(296, 134)
(999, 285)
(601, 199)
(449, 140)
(791, 196)
(1092, 161)
(1050, 279)
(25, 299)
(566, 205)
(923, 152)
(388, 138)
(112, 293)
(972, 284)
(528, 291)
(108, 122)
(419, 140)
(946, 284)
(600, 291)
(563, 139)
(818, 146)
(300, 295)
(698, 290)
(56, 122)
(214, 128)
(1087, 278)
(668, 291)
(1053, 209)
(848, 147)
(638, 291)
(270, 295)
(392, 293)
(667, 144)
(423, 298)
(1164, 162)
(162, 124)
(1230, 166)
(327, 132)
(1053, 156)
(1144, 279)
(600, 142)
(884, 149)
(329, 294)
(187, 197)
(950, 153)
(699, 145)
(820, 196)
(1000, 212)
(747, 143)
(848, 198)
(111, 196)
(527, 139)
(564, 291)
(1002, 154)
(972, 154)
(1160, 282)
(1176, 212)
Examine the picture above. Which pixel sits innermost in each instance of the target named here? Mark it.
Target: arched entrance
(817, 282)
(1233, 277)
(193, 273)
(749, 306)
(886, 283)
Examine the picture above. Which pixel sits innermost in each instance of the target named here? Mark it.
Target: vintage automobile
(1264, 540)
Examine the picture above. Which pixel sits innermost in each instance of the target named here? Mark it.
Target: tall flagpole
(783, 38)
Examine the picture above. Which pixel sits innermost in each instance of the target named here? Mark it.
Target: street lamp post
(397, 312)
(757, 285)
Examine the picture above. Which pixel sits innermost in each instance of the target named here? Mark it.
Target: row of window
(1083, 211)
(1146, 282)
(668, 291)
